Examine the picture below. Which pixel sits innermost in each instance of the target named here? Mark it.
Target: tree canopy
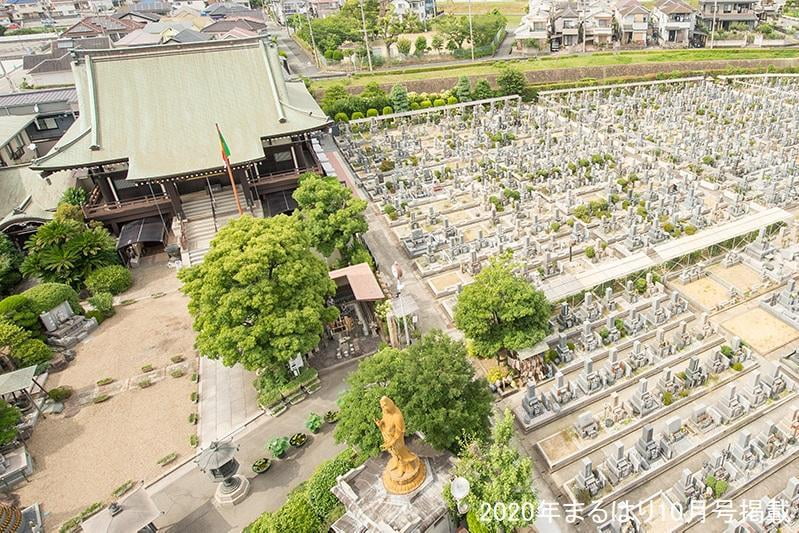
(502, 311)
(67, 251)
(330, 213)
(511, 81)
(433, 384)
(497, 472)
(259, 297)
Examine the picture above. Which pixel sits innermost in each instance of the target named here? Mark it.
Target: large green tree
(431, 381)
(259, 297)
(502, 311)
(67, 251)
(330, 213)
(497, 474)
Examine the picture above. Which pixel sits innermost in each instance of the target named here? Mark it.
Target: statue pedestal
(371, 507)
(403, 484)
(228, 497)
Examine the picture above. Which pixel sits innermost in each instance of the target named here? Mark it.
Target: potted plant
(278, 446)
(313, 423)
(331, 417)
(261, 465)
(298, 440)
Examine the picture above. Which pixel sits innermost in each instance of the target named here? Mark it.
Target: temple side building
(147, 139)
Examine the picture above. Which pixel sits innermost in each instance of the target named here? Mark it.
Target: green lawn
(545, 63)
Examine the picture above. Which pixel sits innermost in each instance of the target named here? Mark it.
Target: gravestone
(64, 328)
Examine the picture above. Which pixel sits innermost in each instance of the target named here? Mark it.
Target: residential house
(152, 34)
(565, 26)
(145, 163)
(227, 9)
(111, 27)
(673, 23)
(632, 20)
(423, 9)
(223, 26)
(721, 15)
(287, 8)
(598, 24)
(135, 16)
(27, 10)
(189, 16)
(34, 120)
(53, 67)
(535, 25)
(196, 5)
(323, 8)
(188, 35)
(152, 6)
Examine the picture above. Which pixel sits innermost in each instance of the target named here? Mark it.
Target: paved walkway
(186, 495)
(228, 399)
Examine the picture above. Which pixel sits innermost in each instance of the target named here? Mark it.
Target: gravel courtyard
(84, 453)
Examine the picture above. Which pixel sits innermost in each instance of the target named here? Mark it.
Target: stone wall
(559, 75)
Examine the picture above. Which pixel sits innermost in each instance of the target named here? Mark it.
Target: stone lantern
(218, 463)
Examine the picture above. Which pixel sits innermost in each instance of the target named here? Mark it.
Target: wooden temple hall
(146, 135)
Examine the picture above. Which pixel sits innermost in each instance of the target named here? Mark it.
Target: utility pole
(310, 29)
(471, 31)
(365, 36)
(713, 29)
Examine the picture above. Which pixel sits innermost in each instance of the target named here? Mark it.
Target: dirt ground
(83, 454)
(761, 330)
(558, 445)
(705, 292)
(740, 275)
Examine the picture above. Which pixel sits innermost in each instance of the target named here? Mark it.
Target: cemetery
(657, 218)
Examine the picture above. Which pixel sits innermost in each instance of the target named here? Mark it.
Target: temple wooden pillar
(241, 177)
(174, 198)
(101, 181)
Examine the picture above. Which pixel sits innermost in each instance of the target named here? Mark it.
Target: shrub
(114, 279)
(313, 423)
(640, 285)
(9, 418)
(177, 359)
(18, 310)
(341, 117)
(296, 515)
(143, 384)
(100, 398)
(104, 381)
(165, 460)
(390, 211)
(10, 260)
(386, 165)
(690, 229)
(668, 398)
(388, 110)
(737, 366)
(331, 417)
(194, 441)
(46, 296)
(424, 104)
(438, 102)
(278, 446)
(298, 440)
(97, 315)
(177, 373)
(147, 368)
(103, 303)
(372, 112)
(323, 501)
(357, 115)
(726, 351)
(31, 352)
(590, 253)
(68, 212)
(452, 100)
(59, 394)
(74, 196)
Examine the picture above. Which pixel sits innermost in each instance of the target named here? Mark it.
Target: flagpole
(230, 175)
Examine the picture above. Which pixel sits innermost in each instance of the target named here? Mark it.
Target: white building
(633, 19)
(424, 9)
(535, 24)
(673, 23)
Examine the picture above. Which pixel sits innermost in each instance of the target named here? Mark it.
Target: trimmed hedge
(321, 500)
(46, 296)
(113, 279)
(19, 310)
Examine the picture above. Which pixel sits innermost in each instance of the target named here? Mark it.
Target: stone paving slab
(227, 399)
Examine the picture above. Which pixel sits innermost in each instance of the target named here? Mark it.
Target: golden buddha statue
(404, 471)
